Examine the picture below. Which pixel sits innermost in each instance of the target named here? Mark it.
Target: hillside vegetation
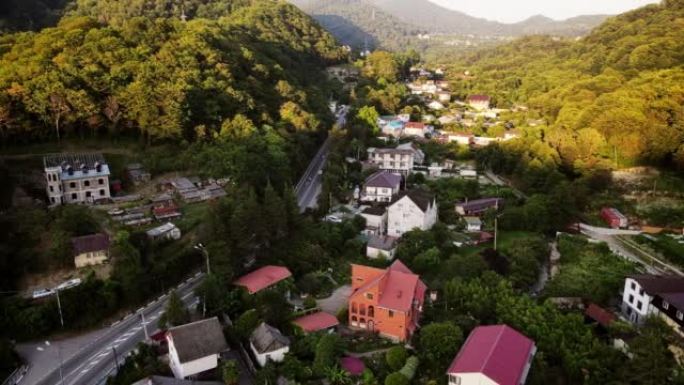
(611, 99)
(114, 66)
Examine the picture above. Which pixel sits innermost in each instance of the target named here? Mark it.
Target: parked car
(333, 219)
(42, 293)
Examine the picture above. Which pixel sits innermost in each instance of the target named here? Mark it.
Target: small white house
(381, 187)
(658, 295)
(195, 347)
(167, 231)
(473, 224)
(376, 220)
(382, 246)
(411, 210)
(268, 344)
(435, 105)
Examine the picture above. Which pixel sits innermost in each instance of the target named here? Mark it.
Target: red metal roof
(399, 288)
(478, 98)
(415, 125)
(316, 321)
(499, 352)
(600, 315)
(262, 278)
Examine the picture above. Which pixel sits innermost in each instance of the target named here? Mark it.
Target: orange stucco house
(388, 301)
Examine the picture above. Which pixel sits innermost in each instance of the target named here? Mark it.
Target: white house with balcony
(381, 187)
(662, 296)
(410, 210)
(195, 347)
(394, 160)
(76, 178)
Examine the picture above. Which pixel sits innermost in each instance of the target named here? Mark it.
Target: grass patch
(504, 240)
(367, 342)
(666, 246)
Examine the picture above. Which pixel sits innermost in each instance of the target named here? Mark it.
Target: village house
(195, 347)
(654, 295)
(416, 129)
(448, 119)
(381, 246)
(317, 322)
(90, 250)
(493, 355)
(395, 160)
(136, 174)
(478, 206)
(410, 210)
(444, 96)
(461, 138)
(263, 278)
(473, 224)
(381, 187)
(167, 231)
(418, 155)
(268, 344)
(76, 178)
(386, 301)
(435, 105)
(479, 102)
(376, 220)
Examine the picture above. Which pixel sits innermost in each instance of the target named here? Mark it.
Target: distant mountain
(393, 23)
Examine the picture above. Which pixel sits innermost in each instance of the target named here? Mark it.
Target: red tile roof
(262, 278)
(478, 98)
(316, 321)
(499, 352)
(600, 315)
(415, 125)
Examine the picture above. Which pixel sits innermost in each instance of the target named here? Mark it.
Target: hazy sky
(509, 11)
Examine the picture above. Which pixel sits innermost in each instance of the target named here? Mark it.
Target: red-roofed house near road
(263, 278)
(614, 218)
(493, 355)
(388, 302)
(316, 322)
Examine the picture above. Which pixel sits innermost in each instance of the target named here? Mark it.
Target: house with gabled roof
(195, 347)
(317, 322)
(89, 250)
(410, 210)
(662, 296)
(381, 187)
(386, 301)
(493, 355)
(479, 102)
(263, 278)
(268, 344)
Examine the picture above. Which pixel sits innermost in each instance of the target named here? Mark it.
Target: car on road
(333, 219)
(42, 293)
(68, 284)
(115, 212)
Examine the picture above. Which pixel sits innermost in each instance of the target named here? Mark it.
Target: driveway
(336, 301)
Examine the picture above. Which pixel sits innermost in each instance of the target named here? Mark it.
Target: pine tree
(175, 313)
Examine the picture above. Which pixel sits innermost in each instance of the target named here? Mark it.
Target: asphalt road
(309, 186)
(95, 361)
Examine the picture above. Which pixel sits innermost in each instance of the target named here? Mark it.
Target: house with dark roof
(381, 246)
(381, 187)
(263, 278)
(386, 301)
(376, 220)
(195, 347)
(477, 207)
(410, 210)
(317, 322)
(647, 295)
(493, 355)
(268, 344)
(90, 250)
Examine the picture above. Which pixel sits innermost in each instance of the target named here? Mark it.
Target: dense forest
(113, 66)
(611, 99)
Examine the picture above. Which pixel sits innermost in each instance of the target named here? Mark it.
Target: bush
(396, 357)
(396, 379)
(309, 303)
(343, 315)
(409, 370)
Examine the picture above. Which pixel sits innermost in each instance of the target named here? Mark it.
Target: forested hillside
(113, 66)
(613, 98)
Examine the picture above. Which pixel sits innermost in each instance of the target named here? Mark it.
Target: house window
(74, 196)
(102, 193)
(354, 308)
(631, 298)
(100, 181)
(369, 295)
(641, 292)
(72, 184)
(371, 311)
(639, 305)
(86, 183)
(390, 313)
(633, 286)
(362, 309)
(680, 316)
(52, 200)
(666, 305)
(455, 380)
(52, 189)
(88, 194)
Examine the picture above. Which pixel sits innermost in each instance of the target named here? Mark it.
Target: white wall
(404, 215)
(632, 295)
(373, 253)
(275, 356)
(379, 194)
(377, 221)
(470, 379)
(183, 370)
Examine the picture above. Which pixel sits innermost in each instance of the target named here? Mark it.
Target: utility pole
(496, 231)
(116, 359)
(59, 308)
